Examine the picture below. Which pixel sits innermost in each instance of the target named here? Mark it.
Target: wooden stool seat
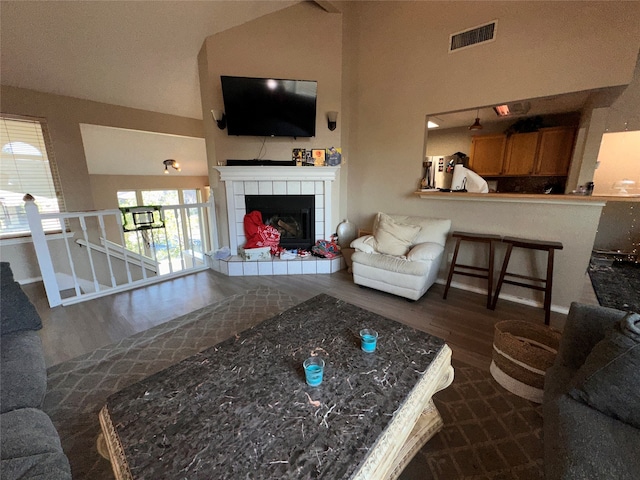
(543, 284)
(475, 271)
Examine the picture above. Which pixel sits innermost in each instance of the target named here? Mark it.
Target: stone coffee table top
(242, 409)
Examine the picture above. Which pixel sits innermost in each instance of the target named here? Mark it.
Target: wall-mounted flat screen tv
(270, 107)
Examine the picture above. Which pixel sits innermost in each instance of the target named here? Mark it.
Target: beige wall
(405, 72)
(64, 116)
(300, 42)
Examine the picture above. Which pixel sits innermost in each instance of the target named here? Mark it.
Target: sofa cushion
(23, 372)
(390, 263)
(586, 325)
(16, 311)
(30, 447)
(366, 244)
(425, 251)
(433, 230)
(394, 238)
(609, 380)
(582, 443)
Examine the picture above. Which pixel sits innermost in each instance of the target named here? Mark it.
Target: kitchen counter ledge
(526, 198)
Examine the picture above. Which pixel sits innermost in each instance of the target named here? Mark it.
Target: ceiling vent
(472, 37)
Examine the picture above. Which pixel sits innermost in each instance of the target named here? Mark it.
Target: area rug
(617, 285)
(488, 433)
(78, 388)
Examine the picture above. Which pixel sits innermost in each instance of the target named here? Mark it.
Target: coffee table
(242, 409)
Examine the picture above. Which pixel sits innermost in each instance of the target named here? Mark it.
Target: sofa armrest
(366, 244)
(425, 252)
(586, 325)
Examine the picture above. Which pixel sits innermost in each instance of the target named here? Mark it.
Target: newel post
(42, 251)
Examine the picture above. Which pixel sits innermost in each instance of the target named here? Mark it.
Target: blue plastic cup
(313, 370)
(369, 340)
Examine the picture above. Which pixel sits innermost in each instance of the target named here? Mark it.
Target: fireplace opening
(292, 215)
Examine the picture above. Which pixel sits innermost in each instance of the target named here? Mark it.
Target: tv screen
(270, 107)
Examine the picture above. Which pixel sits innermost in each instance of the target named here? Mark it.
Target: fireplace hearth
(292, 215)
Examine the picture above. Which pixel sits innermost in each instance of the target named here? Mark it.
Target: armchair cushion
(435, 230)
(366, 244)
(610, 377)
(394, 238)
(424, 251)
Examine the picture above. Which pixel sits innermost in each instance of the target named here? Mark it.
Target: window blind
(26, 166)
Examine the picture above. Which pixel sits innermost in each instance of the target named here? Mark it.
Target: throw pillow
(394, 238)
(16, 311)
(609, 380)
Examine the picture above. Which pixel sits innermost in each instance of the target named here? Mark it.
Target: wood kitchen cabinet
(555, 150)
(520, 157)
(487, 154)
(546, 152)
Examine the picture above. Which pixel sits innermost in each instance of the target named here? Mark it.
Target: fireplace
(292, 215)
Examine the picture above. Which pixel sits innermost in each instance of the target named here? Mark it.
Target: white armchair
(403, 255)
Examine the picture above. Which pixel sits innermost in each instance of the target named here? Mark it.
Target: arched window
(26, 166)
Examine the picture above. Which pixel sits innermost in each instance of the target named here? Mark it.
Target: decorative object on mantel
(171, 163)
(299, 156)
(476, 125)
(333, 156)
(318, 157)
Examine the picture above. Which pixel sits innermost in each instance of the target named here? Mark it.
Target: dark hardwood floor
(462, 320)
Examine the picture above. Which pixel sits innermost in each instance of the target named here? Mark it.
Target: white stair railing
(109, 266)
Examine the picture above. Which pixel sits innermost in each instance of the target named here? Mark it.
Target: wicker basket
(522, 352)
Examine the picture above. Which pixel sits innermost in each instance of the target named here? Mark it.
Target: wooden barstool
(485, 272)
(546, 284)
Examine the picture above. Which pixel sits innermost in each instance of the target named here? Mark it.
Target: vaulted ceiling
(140, 54)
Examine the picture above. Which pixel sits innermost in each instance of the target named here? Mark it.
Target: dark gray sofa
(29, 443)
(591, 405)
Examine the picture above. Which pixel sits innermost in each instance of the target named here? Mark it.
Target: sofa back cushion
(609, 380)
(16, 311)
(394, 238)
(433, 230)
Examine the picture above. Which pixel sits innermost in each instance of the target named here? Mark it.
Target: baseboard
(510, 298)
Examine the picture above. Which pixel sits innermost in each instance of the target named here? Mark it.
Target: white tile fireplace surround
(277, 180)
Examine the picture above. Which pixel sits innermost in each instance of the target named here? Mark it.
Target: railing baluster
(144, 269)
(189, 236)
(180, 227)
(124, 245)
(83, 225)
(106, 247)
(72, 266)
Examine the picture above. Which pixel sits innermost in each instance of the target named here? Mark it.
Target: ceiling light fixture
(476, 125)
(171, 163)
